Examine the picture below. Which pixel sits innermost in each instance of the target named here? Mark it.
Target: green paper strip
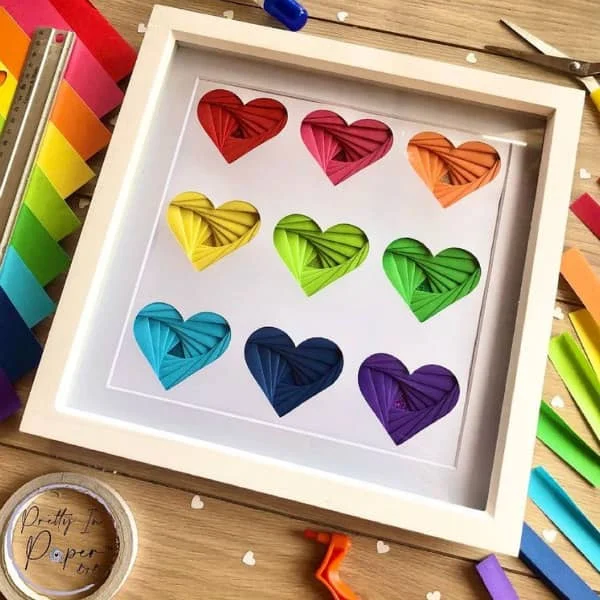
(579, 377)
(1, 123)
(43, 256)
(48, 206)
(563, 441)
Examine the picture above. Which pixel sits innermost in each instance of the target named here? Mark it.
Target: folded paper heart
(206, 233)
(341, 149)
(452, 173)
(428, 283)
(237, 128)
(318, 258)
(406, 403)
(290, 375)
(176, 348)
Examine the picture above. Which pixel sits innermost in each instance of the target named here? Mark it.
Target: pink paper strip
(84, 72)
(588, 211)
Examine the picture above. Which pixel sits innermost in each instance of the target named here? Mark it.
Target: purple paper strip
(9, 401)
(495, 580)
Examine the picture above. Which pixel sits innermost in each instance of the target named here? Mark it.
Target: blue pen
(288, 12)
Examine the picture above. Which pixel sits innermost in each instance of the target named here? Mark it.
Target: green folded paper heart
(428, 283)
(318, 258)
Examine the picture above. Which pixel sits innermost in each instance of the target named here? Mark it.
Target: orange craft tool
(338, 545)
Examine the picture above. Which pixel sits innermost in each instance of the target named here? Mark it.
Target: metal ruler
(27, 120)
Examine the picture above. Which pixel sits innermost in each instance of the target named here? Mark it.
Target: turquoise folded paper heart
(176, 348)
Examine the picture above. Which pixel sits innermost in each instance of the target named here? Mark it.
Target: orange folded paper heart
(450, 172)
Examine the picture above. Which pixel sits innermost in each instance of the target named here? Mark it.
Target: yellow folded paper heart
(206, 233)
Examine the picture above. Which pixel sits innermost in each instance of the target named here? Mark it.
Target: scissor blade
(540, 45)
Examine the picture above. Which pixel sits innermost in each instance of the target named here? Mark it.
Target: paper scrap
(584, 174)
(342, 16)
(550, 535)
(588, 211)
(471, 58)
(382, 547)
(581, 277)
(557, 505)
(579, 377)
(9, 401)
(249, 559)
(15, 43)
(558, 313)
(553, 571)
(197, 503)
(84, 203)
(43, 256)
(437, 595)
(588, 332)
(78, 123)
(24, 291)
(557, 402)
(495, 580)
(141, 28)
(48, 206)
(553, 431)
(228, 14)
(20, 352)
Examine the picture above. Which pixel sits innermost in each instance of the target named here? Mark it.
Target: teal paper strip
(563, 441)
(574, 369)
(557, 505)
(26, 294)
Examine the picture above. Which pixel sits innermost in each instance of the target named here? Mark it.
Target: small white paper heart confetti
(248, 559)
(228, 14)
(142, 28)
(382, 547)
(434, 595)
(550, 535)
(342, 16)
(558, 313)
(84, 203)
(197, 503)
(471, 58)
(557, 402)
(584, 174)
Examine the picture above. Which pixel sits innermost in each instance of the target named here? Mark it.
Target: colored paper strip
(553, 571)
(115, 55)
(495, 580)
(579, 377)
(588, 332)
(7, 91)
(15, 43)
(557, 505)
(581, 277)
(61, 164)
(588, 211)
(9, 401)
(26, 294)
(48, 206)
(85, 74)
(563, 441)
(43, 256)
(78, 123)
(20, 352)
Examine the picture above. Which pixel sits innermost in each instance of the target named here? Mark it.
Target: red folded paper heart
(341, 149)
(237, 128)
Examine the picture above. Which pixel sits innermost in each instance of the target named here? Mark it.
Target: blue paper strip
(26, 294)
(554, 571)
(557, 505)
(19, 349)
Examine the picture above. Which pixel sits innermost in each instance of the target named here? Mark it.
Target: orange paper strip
(585, 283)
(76, 121)
(15, 43)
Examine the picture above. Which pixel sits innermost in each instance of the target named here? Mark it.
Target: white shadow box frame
(68, 404)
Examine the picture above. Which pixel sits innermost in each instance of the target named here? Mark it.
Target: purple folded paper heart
(406, 403)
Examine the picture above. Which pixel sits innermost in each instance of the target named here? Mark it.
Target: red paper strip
(101, 38)
(588, 211)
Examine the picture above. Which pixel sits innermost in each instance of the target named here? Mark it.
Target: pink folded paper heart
(341, 149)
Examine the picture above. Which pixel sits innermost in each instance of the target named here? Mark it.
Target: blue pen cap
(289, 12)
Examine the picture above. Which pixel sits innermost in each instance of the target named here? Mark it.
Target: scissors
(554, 59)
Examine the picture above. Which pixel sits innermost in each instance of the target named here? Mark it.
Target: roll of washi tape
(35, 530)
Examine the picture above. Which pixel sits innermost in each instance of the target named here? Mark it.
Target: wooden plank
(186, 553)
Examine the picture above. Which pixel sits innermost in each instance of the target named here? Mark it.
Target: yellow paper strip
(588, 333)
(61, 164)
(7, 91)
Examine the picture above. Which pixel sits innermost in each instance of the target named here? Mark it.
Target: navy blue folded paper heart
(290, 375)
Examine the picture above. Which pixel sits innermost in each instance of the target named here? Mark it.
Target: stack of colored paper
(89, 91)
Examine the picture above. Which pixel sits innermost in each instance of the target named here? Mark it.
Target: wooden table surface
(186, 553)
